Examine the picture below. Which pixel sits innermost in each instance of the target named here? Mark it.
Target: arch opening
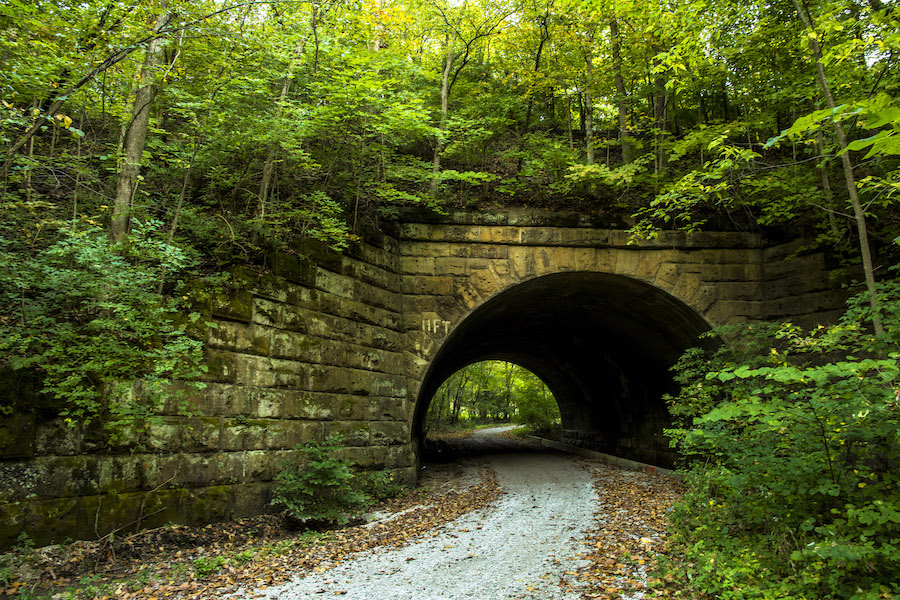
(491, 392)
(602, 343)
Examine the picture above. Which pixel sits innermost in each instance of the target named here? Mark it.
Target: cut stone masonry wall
(341, 344)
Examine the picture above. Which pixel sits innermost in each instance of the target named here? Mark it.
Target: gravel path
(522, 547)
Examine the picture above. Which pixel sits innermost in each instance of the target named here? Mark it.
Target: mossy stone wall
(340, 344)
(311, 349)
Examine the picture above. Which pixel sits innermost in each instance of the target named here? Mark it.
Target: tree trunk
(858, 212)
(622, 93)
(269, 165)
(445, 109)
(589, 109)
(136, 136)
(659, 116)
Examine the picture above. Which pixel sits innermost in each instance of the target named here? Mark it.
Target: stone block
(45, 521)
(502, 235)
(541, 236)
(245, 338)
(294, 318)
(207, 504)
(292, 268)
(431, 249)
(369, 458)
(334, 283)
(739, 290)
(307, 405)
(269, 403)
(449, 266)
(57, 437)
(479, 251)
(251, 499)
(272, 287)
(221, 399)
(166, 435)
(388, 385)
(284, 435)
(666, 276)
(200, 434)
(17, 436)
(64, 476)
(243, 434)
(429, 286)
(118, 474)
(389, 409)
(237, 306)
(296, 346)
(352, 408)
(627, 262)
(221, 365)
(466, 295)
(389, 433)
(484, 283)
(355, 433)
(400, 456)
(417, 265)
(416, 231)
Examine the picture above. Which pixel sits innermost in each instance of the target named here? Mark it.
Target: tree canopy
(168, 141)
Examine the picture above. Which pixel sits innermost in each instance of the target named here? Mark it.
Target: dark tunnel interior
(602, 343)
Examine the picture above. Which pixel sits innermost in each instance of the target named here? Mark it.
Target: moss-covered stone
(355, 433)
(200, 434)
(55, 436)
(308, 405)
(17, 435)
(243, 434)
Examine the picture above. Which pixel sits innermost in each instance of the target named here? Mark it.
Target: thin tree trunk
(622, 93)
(269, 164)
(537, 67)
(589, 109)
(659, 115)
(136, 136)
(445, 109)
(826, 185)
(858, 212)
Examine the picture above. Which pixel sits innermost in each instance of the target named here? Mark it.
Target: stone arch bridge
(357, 344)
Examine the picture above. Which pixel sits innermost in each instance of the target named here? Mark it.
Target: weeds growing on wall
(793, 442)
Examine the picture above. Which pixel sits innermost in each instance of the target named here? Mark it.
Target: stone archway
(603, 343)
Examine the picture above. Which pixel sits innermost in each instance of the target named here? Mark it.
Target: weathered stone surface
(17, 436)
(340, 344)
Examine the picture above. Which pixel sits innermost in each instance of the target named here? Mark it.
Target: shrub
(794, 452)
(318, 489)
(380, 486)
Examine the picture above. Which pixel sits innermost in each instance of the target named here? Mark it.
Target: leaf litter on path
(629, 535)
(213, 561)
(203, 562)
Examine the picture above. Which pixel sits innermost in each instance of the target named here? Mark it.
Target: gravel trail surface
(522, 547)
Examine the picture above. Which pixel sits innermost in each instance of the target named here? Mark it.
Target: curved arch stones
(601, 321)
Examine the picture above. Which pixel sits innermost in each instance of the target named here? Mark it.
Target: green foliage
(794, 449)
(86, 316)
(492, 391)
(379, 486)
(318, 489)
(206, 566)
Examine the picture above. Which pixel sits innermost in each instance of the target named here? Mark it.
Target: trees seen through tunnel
(492, 392)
